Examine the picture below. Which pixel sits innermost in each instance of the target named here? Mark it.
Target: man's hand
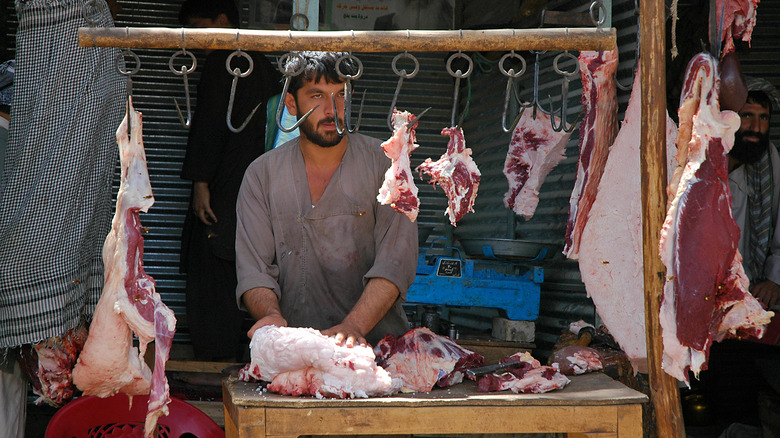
(264, 306)
(767, 293)
(346, 334)
(201, 202)
(274, 319)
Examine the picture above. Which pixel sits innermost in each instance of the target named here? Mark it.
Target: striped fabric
(759, 178)
(55, 192)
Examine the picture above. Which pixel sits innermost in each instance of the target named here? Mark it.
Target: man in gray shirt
(314, 248)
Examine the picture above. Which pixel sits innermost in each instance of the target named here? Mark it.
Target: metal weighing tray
(508, 248)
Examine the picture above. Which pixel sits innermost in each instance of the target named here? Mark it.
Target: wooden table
(591, 405)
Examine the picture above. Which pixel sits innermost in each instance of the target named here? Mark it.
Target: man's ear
(222, 21)
(289, 102)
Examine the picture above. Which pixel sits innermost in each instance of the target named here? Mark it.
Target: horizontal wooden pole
(351, 41)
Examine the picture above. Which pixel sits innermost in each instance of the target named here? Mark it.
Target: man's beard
(325, 140)
(749, 152)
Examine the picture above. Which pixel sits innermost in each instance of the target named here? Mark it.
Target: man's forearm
(261, 302)
(378, 297)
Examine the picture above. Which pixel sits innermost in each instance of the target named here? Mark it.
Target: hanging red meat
(129, 304)
(302, 361)
(528, 377)
(456, 173)
(422, 359)
(739, 19)
(535, 149)
(398, 189)
(611, 258)
(706, 294)
(597, 132)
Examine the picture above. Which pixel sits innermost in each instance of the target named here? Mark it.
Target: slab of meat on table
(534, 150)
(738, 21)
(302, 361)
(528, 377)
(706, 294)
(456, 173)
(574, 360)
(597, 132)
(49, 366)
(129, 304)
(398, 188)
(611, 259)
(421, 359)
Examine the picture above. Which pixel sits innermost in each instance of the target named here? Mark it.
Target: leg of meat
(611, 257)
(398, 189)
(456, 173)
(706, 294)
(597, 132)
(535, 149)
(110, 363)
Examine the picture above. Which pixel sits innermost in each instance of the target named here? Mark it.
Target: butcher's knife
(481, 371)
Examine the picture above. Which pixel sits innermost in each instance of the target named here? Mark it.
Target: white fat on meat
(738, 21)
(534, 150)
(706, 294)
(303, 361)
(611, 259)
(421, 359)
(456, 173)
(529, 377)
(398, 189)
(129, 303)
(597, 132)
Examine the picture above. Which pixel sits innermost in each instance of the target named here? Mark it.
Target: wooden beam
(354, 41)
(665, 394)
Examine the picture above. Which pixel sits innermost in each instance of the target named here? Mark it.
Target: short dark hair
(318, 65)
(208, 9)
(759, 97)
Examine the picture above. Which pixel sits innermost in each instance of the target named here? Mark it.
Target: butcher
(314, 248)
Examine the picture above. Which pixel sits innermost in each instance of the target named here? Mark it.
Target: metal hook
(295, 18)
(535, 104)
(510, 87)
(636, 53)
(91, 12)
(184, 72)
(402, 74)
(348, 95)
(237, 73)
(128, 73)
(562, 125)
(288, 74)
(458, 75)
(598, 6)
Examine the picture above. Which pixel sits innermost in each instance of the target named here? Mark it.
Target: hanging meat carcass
(738, 18)
(611, 258)
(534, 150)
(706, 294)
(129, 304)
(456, 173)
(597, 132)
(398, 188)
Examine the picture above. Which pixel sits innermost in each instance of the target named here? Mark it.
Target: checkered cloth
(55, 193)
(7, 82)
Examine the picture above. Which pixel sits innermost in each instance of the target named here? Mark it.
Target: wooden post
(665, 394)
(357, 41)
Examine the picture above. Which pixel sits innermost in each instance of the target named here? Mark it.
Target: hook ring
(459, 73)
(359, 63)
(126, 72)
(563, 72)
(237, 72)
(91, 12)
(184, 70)
(295, 18)
(285, 64)
(403, 72)
(597, 6)
(511, 73)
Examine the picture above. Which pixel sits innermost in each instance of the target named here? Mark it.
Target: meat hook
(535, 104)
(120, 67)
(288, 68)
(184, 72)
(237, 73)
(636, 53)
(348, 96)
(564, 95)
(458, 75)
(402, 74)
(510, 87)
(598, 6)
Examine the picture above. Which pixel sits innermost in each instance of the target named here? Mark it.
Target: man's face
(752, 139)
(320, 126)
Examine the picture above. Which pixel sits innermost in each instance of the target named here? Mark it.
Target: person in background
(215, 162)
(55, 189)
(314, 248)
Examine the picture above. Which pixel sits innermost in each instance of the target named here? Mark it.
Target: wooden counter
(591, 405)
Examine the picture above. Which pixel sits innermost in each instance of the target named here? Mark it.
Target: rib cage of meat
(534, 150)
(421, 359)
(129, 304)
(597, 132)
(611, 258)
(456, 173)
(706, 294)
(302, 361)
(738, 21)
(398, 188)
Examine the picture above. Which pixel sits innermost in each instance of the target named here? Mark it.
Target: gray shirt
(317, 259)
